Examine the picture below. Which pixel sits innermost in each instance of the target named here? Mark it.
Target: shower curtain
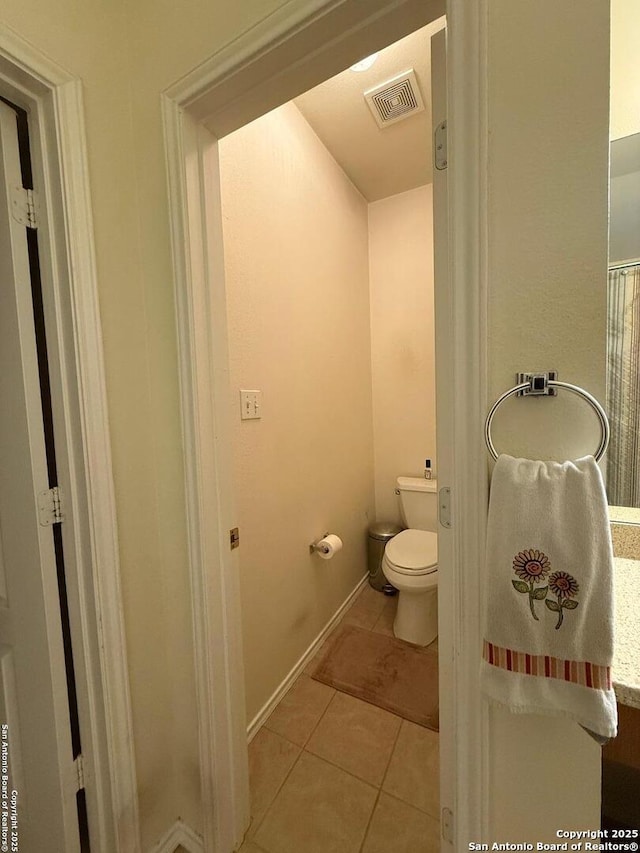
(623, 386)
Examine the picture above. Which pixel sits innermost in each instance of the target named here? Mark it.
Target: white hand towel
(548, 641)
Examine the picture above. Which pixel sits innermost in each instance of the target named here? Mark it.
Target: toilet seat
(413, 552)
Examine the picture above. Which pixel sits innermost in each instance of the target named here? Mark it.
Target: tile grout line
(348, 772)
(384, 776)
(336, 691)
(401, 802)
(382, 612)
(391, 754)
(275, 796)
(411, 806)
(397, 796)
(316, 724)
(366, 610)
(302, 751)
(318, 721)
(366, 829)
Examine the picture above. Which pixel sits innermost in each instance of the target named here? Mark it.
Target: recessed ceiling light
(365, 64)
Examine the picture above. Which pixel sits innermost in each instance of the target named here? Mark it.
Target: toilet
(410, 562)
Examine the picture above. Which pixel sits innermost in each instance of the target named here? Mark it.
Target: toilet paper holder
(315, 546)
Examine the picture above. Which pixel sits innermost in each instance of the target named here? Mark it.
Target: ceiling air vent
(396, 99)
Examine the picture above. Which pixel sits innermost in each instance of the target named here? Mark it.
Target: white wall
(625, 68)
(295, 234)
(624, 227)
(624, 198)
(625, 217)
(547, 230)
(402, 341)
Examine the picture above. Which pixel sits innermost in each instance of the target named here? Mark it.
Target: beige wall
(126, 54)
(89, 40)
(547, 61)
(164, 41)
(402, 341)
(547, 224)
(295, 235)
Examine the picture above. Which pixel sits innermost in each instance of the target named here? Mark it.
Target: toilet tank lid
(417, 484)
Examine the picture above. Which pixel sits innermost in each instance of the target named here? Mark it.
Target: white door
(35, 739)
(444, 427)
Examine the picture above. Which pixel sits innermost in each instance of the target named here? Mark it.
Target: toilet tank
(418, 502)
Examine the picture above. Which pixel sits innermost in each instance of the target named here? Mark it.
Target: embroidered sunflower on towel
(565, 587)
(533, 567)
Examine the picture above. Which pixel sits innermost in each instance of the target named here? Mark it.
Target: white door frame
(291, 50)
(53, 99)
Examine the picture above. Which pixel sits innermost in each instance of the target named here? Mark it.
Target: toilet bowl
(410, 562)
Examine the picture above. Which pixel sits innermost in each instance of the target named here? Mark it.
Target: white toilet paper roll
(329, 546)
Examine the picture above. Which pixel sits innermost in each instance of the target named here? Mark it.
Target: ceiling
(380, 162)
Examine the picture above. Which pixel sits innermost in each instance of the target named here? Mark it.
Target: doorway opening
(288, 52)
(327, 227)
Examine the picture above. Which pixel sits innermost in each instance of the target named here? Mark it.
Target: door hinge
(440, 146)
(24, 207)
(444, 506)
(50, 507)
(234, 538)
(447, 825)
(79, 770)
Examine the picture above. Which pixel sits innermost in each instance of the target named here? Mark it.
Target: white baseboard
(270, 704)
(179, 835)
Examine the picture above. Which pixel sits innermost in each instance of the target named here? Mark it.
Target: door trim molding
(54, 98)
(179, 835)
(468, 244)
(213, 571)
(217, 97)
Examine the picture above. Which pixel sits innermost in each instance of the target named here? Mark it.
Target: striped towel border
(576, 671)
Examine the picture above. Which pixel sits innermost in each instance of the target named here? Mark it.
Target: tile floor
(332, 774)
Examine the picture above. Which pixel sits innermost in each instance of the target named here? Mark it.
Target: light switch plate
(250, 405)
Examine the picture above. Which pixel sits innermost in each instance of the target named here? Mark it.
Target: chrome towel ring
(539, 384)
